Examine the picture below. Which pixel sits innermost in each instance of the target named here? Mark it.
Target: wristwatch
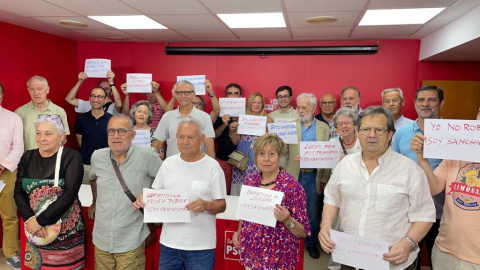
(211, 95)
(112, 84)
(291, 224)
(414, 245)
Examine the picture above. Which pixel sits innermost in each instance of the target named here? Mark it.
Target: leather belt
(308, 170)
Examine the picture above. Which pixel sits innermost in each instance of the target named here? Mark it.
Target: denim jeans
(177, 259)
(309, 184)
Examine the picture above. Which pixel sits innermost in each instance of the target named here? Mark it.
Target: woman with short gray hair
(345, 121)
(141, 114)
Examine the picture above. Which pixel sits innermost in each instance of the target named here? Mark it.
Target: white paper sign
(142, 137)
(232, 106)
(319, 154)
(198, 82)
(97, 68)
(361, 252)
(165, 206)
(257, 205)
(2, 185)
(252, 125)
(452, 139)
(286, 131)
(139, 83)
(284, 120)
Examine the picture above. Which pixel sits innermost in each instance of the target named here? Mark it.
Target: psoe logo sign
(230, 252)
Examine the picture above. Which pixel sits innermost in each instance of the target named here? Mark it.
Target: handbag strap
(343, 146)
(124, 185)
(57, 166)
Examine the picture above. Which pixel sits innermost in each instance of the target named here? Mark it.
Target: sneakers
(14, 262)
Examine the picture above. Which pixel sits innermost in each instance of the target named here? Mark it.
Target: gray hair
(38, 78)
(345, 112)
(374, 110)
(53, 119)
(185, 82)
(122, 116)
(350, 87)
(135, 107)
(194, 121)
(389, 90)
(311, 97)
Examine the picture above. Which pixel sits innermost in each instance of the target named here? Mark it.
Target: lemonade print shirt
(459, 232)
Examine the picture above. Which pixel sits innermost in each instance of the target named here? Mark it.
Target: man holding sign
(309, 129)
(379, 194)
(83, 106)
(191, 245)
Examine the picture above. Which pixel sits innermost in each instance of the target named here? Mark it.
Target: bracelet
(211, 95)
(112, 84)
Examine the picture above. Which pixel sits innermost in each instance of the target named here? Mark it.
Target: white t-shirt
(85, 106)
(200, 179)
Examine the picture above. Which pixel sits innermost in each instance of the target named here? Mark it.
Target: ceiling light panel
(399, 16)
(129, 22)
(253, 20)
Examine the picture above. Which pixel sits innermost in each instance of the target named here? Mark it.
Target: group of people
(376, 185)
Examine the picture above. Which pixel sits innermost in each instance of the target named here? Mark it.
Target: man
(328, 103)
(184, 92)
(284, 97)
(38, 89)
(429, 100)
(11, 150)
(312, 180)
(155, 99)
(223, 128)
(393, 101)
(119, 232)
(379, 194)
(349, 98)
(191, 245)
(90, 129)
(83, 106)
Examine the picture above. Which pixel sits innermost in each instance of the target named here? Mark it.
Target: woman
(255, 106)
(345, 121)
(264, 247)
(35, 186)
(142, 115)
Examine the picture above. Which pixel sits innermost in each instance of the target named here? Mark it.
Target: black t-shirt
(224, 144)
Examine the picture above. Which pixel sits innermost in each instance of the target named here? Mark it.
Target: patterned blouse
(264, 247)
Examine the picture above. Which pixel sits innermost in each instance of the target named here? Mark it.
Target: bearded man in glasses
(90, 129)
(38, 90)
(119, 234)
(184, 93)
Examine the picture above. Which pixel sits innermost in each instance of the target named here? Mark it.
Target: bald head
(327, 103)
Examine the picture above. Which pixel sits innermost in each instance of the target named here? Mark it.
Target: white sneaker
(14, 262)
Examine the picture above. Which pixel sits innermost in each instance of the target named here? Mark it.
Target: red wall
(26, 52)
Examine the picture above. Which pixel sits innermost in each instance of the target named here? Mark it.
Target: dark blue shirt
(94, 133)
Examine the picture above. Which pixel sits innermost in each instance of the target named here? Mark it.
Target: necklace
(354, 138)
(267, 184)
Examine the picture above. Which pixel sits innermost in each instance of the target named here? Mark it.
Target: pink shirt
(459, 232)
(11, 139)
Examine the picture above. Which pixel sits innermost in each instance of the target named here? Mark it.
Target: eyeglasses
(328, 103)
(186, 93)
(120, 131)
(92, 96)
(53, 118)
(284, 96)
(197, 103)
(377, 131)
(344, 123)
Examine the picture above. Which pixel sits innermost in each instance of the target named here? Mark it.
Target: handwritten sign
(142, 137)
(97, 68)
(286, 131)
(139, 83)
(257, 205)
(232, 106)
(357, 251)
(452, 139)
(198, 82)
(165, 206)
(319, 154)
(284, 120)
(252, 124)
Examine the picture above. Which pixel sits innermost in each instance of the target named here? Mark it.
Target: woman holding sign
(264, 247)
(345, 121)
(142, 115)
(245, 143)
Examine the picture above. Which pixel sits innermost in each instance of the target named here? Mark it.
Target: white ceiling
(195, 20)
